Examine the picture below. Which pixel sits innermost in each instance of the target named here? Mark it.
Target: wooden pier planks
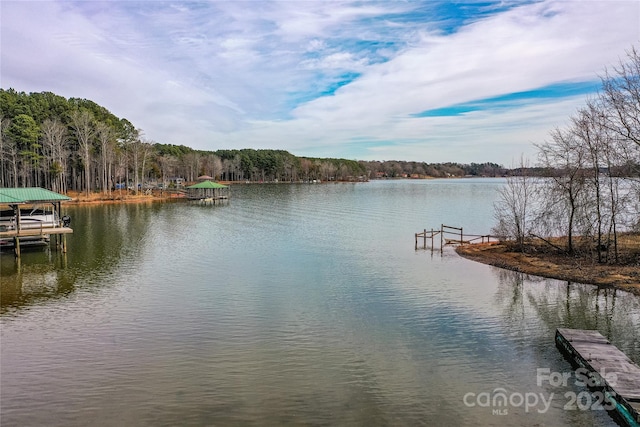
(30, 232)
(593, 351)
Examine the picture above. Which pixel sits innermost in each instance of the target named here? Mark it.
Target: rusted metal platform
(612, 370)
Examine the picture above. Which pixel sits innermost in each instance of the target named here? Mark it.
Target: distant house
(176, 180)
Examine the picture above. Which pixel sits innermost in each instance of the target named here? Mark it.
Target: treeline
(249, 165)
(405, 169)
(592, 193)
(75, 144)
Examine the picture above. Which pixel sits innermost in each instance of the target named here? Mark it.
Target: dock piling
(458, 237)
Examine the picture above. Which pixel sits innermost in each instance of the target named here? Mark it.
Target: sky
(429, 81)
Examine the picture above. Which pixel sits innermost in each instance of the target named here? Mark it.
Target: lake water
(291, 305)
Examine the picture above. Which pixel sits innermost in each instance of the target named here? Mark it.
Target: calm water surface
(290, 305)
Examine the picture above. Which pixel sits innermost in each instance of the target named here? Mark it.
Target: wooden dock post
(431, 234)
(16, 235)
(459, 238)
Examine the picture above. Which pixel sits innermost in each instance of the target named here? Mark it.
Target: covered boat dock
(208, 191)
(15, 226)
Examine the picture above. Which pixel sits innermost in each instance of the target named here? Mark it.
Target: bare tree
(121, 167)
(211, 165)
(138, 154)
(587, 128)
(54, 139)
(328, 171)
(605, 155)
(621, 99)
(621, 95)
(146, 147)
(514, 208)
(566, 158)
(84, 131)
(192, 165)
(106, 139)
(167, 167)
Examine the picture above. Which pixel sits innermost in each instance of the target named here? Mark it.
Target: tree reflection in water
(35, 277)
(106, 241)
(539, 305)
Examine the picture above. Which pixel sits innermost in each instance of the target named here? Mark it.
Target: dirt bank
(121, 197)
(573, 269)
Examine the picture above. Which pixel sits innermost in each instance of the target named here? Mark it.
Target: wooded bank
(75, 144)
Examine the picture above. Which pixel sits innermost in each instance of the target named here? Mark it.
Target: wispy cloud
(432, 80)
(516, 99)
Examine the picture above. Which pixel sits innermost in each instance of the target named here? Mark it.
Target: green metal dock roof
(207, 184)
(29, 195)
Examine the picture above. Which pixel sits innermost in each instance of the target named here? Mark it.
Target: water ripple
(289, 305)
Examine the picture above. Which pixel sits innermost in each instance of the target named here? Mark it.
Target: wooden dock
(33, 232)
(614, 373)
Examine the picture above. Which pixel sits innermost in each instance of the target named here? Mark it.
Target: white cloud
(247, 74)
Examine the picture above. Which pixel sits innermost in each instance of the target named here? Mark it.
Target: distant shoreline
(157, 195)
(95, 199)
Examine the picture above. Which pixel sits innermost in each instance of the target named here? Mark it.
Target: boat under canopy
(30, 215)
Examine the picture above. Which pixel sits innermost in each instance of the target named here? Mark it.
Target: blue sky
(433, 81)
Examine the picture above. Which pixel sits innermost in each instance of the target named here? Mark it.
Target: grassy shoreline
(121, 196)
(556, 266)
